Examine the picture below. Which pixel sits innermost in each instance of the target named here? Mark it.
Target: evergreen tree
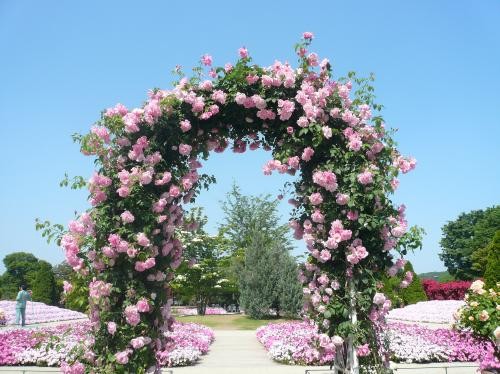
(269, 279)
(492, 272)
(290, 289)
(44, 284)
(257, 280)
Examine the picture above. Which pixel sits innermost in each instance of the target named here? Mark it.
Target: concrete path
(239, 352)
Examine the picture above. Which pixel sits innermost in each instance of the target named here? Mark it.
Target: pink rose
(352, 215)
(111, 327)
(185, 125)
(123, 191)
(127, 217)
(342, 199)
(174, 191)
(185, 149)
(243, 52)
(143, 306)
(365, 178)
(67, 287)
(316, 198)
(307, 153)
(132, 315)
(122, 357)
(308, 35)
(206, 60)
(142, 239)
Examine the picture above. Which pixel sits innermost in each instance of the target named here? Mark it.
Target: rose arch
(148, 166)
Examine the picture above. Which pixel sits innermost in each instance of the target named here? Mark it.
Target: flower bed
(208, 311)
(293, 343)
(50, 346)
(39, 313)
(298, 343)
(455, 290)
(418, 344)
(434, 311)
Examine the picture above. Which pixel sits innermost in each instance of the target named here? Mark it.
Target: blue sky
(436, 64)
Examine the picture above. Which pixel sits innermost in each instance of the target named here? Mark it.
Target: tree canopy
(464, 236)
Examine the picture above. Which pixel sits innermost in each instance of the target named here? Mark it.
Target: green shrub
(492, 272)
(403, 296)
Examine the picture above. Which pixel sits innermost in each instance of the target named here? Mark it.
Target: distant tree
(62, 271)
(20, 268)
(258, 278)
(484, 232)
(201, 277)
(269, 279)
(492, 271)
(289, 288)
(462, 237)
(44, 284)
(245, 215)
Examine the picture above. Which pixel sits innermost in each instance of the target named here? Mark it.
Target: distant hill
(441, 276)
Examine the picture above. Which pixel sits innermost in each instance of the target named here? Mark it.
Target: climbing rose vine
(148, 165)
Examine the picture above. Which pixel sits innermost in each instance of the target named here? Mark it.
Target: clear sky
(62, 62)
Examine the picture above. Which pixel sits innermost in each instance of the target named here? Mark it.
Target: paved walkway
(239, 352)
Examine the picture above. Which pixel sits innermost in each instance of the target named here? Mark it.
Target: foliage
(201, 276)
(462, 237)
(78, 298)
(245, 215)
(454, 290)
(492, 253)
(346, 163)
(402, 296)
(269, 279)
(44, 284)
(24, 268)
(481, 312)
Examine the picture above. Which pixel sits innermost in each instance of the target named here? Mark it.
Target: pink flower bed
(299, 343)
(455, 290)
(50, 346)
(434, 311)
(294, 343)
(39, 313)
(208, 311)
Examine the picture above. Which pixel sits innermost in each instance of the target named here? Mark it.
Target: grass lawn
(229, 322)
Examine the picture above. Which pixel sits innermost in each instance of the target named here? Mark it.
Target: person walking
(22, 297)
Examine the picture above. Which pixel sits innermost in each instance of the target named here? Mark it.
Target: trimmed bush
(401, 297)
(455, 290)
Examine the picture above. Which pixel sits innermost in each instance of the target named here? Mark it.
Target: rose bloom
(484, 316)
(316, 198)
(143, 306)
(496, 333)
(122, 357)
(127, 217)
(111, 328)
(477, 287)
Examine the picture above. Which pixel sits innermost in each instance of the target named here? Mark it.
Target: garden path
(239, 352)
